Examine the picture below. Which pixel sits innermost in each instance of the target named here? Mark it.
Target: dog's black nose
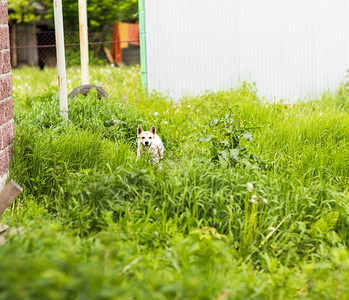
(147, 143)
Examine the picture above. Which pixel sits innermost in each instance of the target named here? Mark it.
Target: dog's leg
(155, 157)
(158, 157)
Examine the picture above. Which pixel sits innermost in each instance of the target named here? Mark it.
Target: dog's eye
(143, 137)
(150, 138)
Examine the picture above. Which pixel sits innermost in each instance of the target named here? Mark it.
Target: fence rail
(76, 44)
(38, 48)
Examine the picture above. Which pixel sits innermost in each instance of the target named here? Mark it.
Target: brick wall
(6, 104)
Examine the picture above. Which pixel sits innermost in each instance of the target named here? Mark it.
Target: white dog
(150, 141)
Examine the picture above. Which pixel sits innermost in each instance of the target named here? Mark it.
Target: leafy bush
(225, 144)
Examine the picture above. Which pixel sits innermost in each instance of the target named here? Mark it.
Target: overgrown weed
(99, 223)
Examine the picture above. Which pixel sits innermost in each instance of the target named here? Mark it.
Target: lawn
(251, 202)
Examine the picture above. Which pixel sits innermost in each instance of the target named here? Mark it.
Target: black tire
(85, 89)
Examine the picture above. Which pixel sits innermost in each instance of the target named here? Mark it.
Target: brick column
(6, 104)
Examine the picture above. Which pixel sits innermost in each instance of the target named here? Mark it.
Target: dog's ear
(139, 130)
(153, 130)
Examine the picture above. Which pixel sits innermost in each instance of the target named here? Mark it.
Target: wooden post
(14, 45)
(8, 194)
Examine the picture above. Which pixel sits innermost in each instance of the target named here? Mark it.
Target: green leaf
(206, 138)
(234, 154)
(332, 219)
(333, 237)
(224, 154)
(248, 136)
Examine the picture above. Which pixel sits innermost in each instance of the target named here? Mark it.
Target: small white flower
(265, 201)
(271, 228)
(320, 114)
(231, 197)
(112, 65)
(197, 110)
(249, 186)
(165, 122)
(254, 199)
(188, 106)
(156, 113)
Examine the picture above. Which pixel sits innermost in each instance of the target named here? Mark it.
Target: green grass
(99, 224)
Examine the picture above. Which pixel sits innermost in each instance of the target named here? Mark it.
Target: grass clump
(251, 201)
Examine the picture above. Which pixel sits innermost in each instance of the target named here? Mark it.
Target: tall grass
(99, 224)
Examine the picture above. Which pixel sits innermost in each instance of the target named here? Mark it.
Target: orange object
(123, 34)
(116, 47)
(133, 34)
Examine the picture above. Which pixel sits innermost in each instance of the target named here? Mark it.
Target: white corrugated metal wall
(290, 48)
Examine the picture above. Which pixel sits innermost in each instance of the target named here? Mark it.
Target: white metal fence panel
(290, 48)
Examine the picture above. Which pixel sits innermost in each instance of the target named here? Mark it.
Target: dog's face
(146, 138)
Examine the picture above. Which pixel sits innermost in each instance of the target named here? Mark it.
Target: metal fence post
(85, 77)
(62, 77)
(143, 47)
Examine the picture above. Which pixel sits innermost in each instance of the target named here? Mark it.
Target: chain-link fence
(32, 46)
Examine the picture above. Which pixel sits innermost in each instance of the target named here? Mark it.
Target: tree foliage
(99, 12)
(24, 10)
